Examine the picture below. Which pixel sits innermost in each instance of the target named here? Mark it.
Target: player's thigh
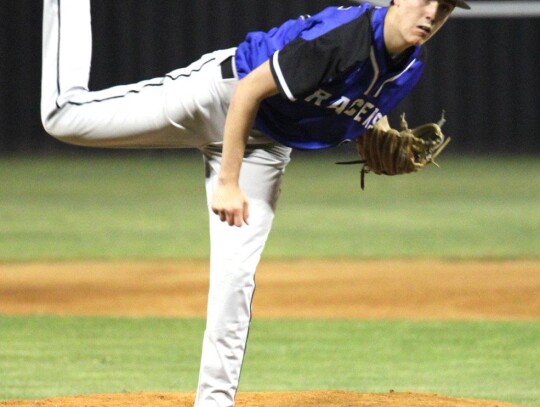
(196, 99)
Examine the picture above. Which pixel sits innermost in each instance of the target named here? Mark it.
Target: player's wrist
(227, 181)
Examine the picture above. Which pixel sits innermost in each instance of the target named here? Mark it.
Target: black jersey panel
(303, 65)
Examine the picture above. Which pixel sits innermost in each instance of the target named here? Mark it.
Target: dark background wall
(484, 72)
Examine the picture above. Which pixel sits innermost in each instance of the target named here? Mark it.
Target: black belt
(227, 69)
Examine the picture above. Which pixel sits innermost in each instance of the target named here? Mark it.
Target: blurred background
(483, 68)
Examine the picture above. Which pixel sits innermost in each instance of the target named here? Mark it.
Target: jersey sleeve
(305, 63)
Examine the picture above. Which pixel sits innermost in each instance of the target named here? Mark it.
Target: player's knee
(58, 132)
(63, 131)
(50, 126)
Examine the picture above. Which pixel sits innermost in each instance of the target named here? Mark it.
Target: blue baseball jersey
(335, 77)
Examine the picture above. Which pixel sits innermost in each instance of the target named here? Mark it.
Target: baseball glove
(393, 152)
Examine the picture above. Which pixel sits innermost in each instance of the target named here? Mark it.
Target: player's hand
(231, 205)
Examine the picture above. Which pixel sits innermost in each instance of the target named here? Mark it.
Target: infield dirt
(414, 290)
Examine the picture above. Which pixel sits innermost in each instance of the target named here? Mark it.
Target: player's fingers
(237, 218)
(234, 217)
(222, 215)
(246, 212)
(229, 218)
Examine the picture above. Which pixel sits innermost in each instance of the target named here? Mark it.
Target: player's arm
(229, 202)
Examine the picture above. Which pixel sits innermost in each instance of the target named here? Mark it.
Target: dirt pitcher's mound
(270, 399)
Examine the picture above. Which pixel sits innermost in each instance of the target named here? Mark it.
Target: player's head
(414, 22)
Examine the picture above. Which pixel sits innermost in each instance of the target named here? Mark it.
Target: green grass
(153, 206)
(470, 208)
(51, 356)
(130, 207)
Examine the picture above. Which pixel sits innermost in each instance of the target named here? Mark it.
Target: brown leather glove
(393, 152)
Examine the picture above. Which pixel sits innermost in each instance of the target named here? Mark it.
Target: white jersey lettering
(340, 105)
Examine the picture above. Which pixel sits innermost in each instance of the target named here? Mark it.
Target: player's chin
(420, 37)
(417, 40)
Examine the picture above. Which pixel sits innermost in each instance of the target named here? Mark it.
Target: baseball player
(313, 82)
